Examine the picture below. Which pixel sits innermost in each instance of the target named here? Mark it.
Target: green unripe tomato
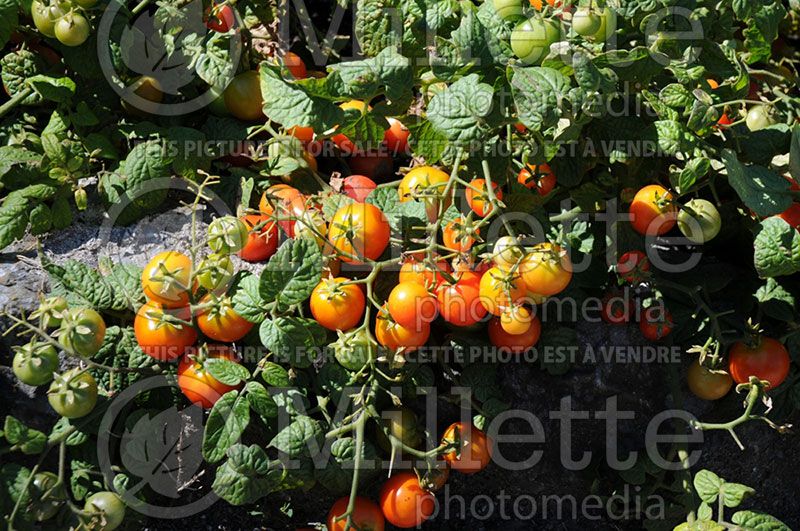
(44, 17)
(72, 29)
(215, 271)
(759, 117)
(34, 364)
(403, 425)
(50, 311)
(354, 349)
(531, 39)
(586, 22)
(45, 498)
(110, 507)
(82, 331)
(86, 4)
(508, 9)
(227, 235)
(699, 221)
(73, 394)
(608, 25)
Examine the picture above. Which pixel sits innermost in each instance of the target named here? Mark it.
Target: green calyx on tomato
(107, 511)
(355, 349)
(82, 331)
(50, 311)
(72, 29)
(531, 39)
(35, 363)
(227, 235)
(73, 394)
(47, 496)
(215, 271)
(699, 221)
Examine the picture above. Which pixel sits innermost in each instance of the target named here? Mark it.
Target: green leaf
(260, 400)
(227, 421)
(776, 301)
(59, 89)
(293, 340)
(388, 73)
(794, 154)
(245, 476)
(13, 219)
(462, 112)
(538, 92)
(734, 493)
(275, 375)
(292, 273)
(707, 484)
(337, 474)
(676, 95)
(80, 284)
(125, 280)
(755, 521)
(777, 249)
(427, 142)
(763, 191)
(294, 439)
(247, 300)
(9, 19)
(290, 105)
(21, 437)
(210, 55)
(226, 371)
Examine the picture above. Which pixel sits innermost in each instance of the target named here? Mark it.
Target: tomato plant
(108, 508)
(220, 322)
(656, 323)
(707, 384)
(359, 230)
(243, 96)
(73, 394)
(766, 359)
(262, 240)
(165, 279)
(164, 334)
(337, 304)
(220, 18)
(35, 363)
(197, 383)
(366, 515)
(532, 38)
(478, 196)
(411, 304)
(653, 211)
(539, 177)
(82, 331)
(473, 449)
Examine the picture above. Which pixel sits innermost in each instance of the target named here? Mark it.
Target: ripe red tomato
(295, 64)
(653, 211)
(473, 448)
(656, 323)
(724, 120)
(263, 244)
(165, 279)
(706, 384)
(618, 308)
(404, 503)
(458, 235)
(767, 360)
(537, 177)
(359, 230)
(500, 289)
(394, 336)
(277, 196)
(546, 270)
(478, 197)
(303, 134)
(337, 305)
(366, 515)
(358, 187)
(516, 344)
(416, 269)
(220, 18)
(160, 338)
(460, 303)
(792, 215)
(220, 321)
(243, 97)
(633, 267)
(411, 305)
(396, 137)
(197, 384)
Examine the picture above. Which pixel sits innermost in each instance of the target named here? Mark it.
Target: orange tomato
(473, 448)
(653, 211)
(404, 503)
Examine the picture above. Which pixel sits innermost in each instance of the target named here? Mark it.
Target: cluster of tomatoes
(405, 500)
(64, 20)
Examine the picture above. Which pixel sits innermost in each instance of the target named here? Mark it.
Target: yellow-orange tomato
(337, 305)
(474, 448)
(516, 344)
(404, 503)
(360, 230)
(417, 270)
(458, 235)
(366, 515)
(478, 197)
(500, 289)
(160, 338)
(303, 134)
(653, 211)
(220, 321)
(410, 304)
(424, 181)
(516, 320)
(538, 4)
(197, 384)
(394, 336)
(546, 270)
(165, 279)
(706, 384)
(276, 196)
(295, 64)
